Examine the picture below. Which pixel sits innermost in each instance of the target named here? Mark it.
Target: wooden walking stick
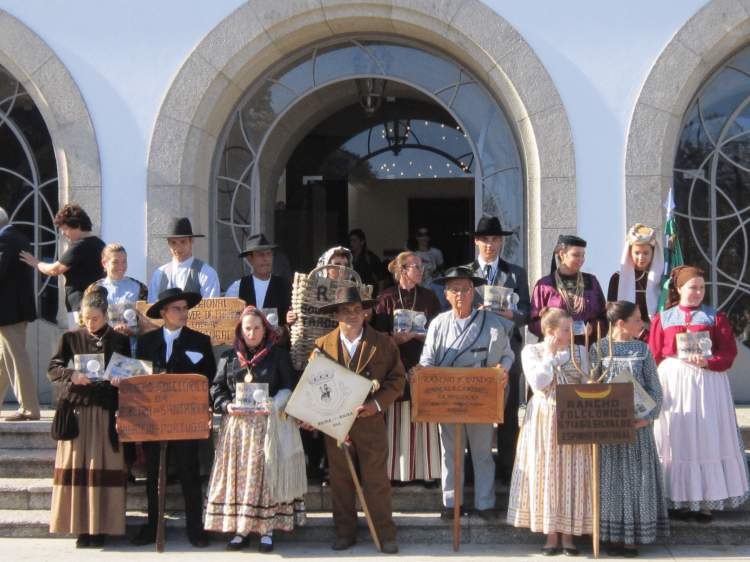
(361, 496)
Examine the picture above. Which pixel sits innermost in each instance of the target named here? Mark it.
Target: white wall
(124, 54)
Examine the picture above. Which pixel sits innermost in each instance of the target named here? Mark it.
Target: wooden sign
(163, 408)
(215, 317)
(457, 395)
(595, 413)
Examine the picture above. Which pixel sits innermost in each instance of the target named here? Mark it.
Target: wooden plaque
(457, 395)
(216, 318)
(163, 408)
(595, 413)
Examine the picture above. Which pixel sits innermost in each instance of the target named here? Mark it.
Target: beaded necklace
(571, 292)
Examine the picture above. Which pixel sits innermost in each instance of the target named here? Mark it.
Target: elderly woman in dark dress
(258, 478)
(568, 288)
(88, 488)
(413, 448)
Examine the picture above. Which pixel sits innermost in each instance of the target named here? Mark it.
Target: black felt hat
(346, 295)
(171, 295)
(257, 243)
(459, 272)
(181, 228)
(490, 226)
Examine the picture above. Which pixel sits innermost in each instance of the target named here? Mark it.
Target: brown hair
(112, 249)
(95, 296)
(677, 278)
(73, 216)
(551, 318)
(397, 264)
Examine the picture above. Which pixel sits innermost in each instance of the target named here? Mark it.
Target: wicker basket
(309, 293)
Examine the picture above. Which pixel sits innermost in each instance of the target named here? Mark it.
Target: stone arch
(260, 33)
(712, 35)
(46, 79)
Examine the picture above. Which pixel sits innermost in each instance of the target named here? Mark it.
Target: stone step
(36, 493)
(27, 435)
(26, 463)
(413, 528)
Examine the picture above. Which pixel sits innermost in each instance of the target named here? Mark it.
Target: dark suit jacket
(376, 358)
(278, 295)
(152, 347)
(16, 280)
(513, 277)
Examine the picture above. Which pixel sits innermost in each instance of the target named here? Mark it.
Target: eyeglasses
(461, 291)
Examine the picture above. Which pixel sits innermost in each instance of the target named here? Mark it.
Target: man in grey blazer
(467, 337)
(488, 238)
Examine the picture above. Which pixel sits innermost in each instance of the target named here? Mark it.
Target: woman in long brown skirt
(88, 491)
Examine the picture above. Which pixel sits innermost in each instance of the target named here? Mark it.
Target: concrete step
(413, 528)
(26, 463)
(26, 435)
(36, 493)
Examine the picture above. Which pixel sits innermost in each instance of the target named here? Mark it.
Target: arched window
(362, 65)
(28, 181)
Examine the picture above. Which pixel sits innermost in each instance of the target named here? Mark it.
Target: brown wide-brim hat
(346, 295)
(460, 272)
(169, 296)
(490, 226)
(181, 228)
(257, 243)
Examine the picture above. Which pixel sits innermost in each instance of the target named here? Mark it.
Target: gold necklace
(573, 300)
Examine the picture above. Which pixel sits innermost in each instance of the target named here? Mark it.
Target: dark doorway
(450, 222)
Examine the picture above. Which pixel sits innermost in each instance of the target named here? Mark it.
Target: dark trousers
(184, 458)
(507, 432)
(369, 452)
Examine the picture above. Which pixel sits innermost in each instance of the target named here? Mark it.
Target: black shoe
(615, 551)
(200, 540)
(399, 484)
(701, 517)
(431, 484)
(235, 544)
(97, 541)
(447, 513)
(389, 547)
(83, 541)
(680, 514)
(570, 551)
(630, 552)
(343, 543)
(488, 515)
(143, 537)
(265, 547)
(551, 550)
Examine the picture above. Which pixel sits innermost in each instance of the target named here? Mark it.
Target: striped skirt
(413, 448)
(239, 499)
(550, 491)
(88, 489)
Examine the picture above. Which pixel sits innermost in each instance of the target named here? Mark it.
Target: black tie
(487, 272)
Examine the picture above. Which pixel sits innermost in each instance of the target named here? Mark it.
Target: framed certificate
(327, 397)
(690, 343)
(90, 364)
(122, 367)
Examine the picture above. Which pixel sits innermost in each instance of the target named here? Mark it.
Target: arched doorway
(336, 92)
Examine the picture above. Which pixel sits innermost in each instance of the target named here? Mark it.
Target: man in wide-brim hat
(489, 237)
(175, 348)
(372, 354)
(474, 338)
(261, 288)
(184, 271)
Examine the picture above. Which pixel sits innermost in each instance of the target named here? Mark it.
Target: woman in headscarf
(568, 288)
(258, 478)
(413, 447)
(699, 445)
(639, 277)
(88, 488)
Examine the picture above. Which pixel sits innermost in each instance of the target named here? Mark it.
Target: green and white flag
(672, 249)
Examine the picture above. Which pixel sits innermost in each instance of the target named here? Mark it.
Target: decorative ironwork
(712, 187)
(494, 160)
(28, 181)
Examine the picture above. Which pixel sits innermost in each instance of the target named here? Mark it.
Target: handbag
(65, 423)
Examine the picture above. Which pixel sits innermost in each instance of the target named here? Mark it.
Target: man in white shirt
(184, 271)
(464, 337)
(261, 288)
